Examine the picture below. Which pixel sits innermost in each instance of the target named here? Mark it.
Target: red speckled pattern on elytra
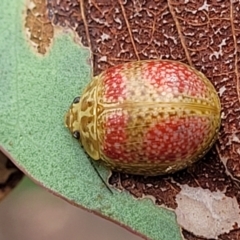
(166, 78)
(175, 139)
(115, 137)
(114, 84)
(146, 117)
(176, 78)
(169, 140)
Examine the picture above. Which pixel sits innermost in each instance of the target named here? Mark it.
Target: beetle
(149, 117)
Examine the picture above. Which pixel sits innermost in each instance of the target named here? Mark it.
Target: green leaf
(35, 93)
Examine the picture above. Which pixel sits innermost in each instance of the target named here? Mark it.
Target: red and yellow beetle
(147, 117)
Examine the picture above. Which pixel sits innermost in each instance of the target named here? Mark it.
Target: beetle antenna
(94, 167)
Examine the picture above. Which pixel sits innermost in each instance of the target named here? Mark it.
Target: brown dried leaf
(203, 34)
(9, 175)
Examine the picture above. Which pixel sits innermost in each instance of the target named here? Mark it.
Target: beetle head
(81, 120)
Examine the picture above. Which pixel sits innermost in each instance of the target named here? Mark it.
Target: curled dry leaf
(204, 35)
